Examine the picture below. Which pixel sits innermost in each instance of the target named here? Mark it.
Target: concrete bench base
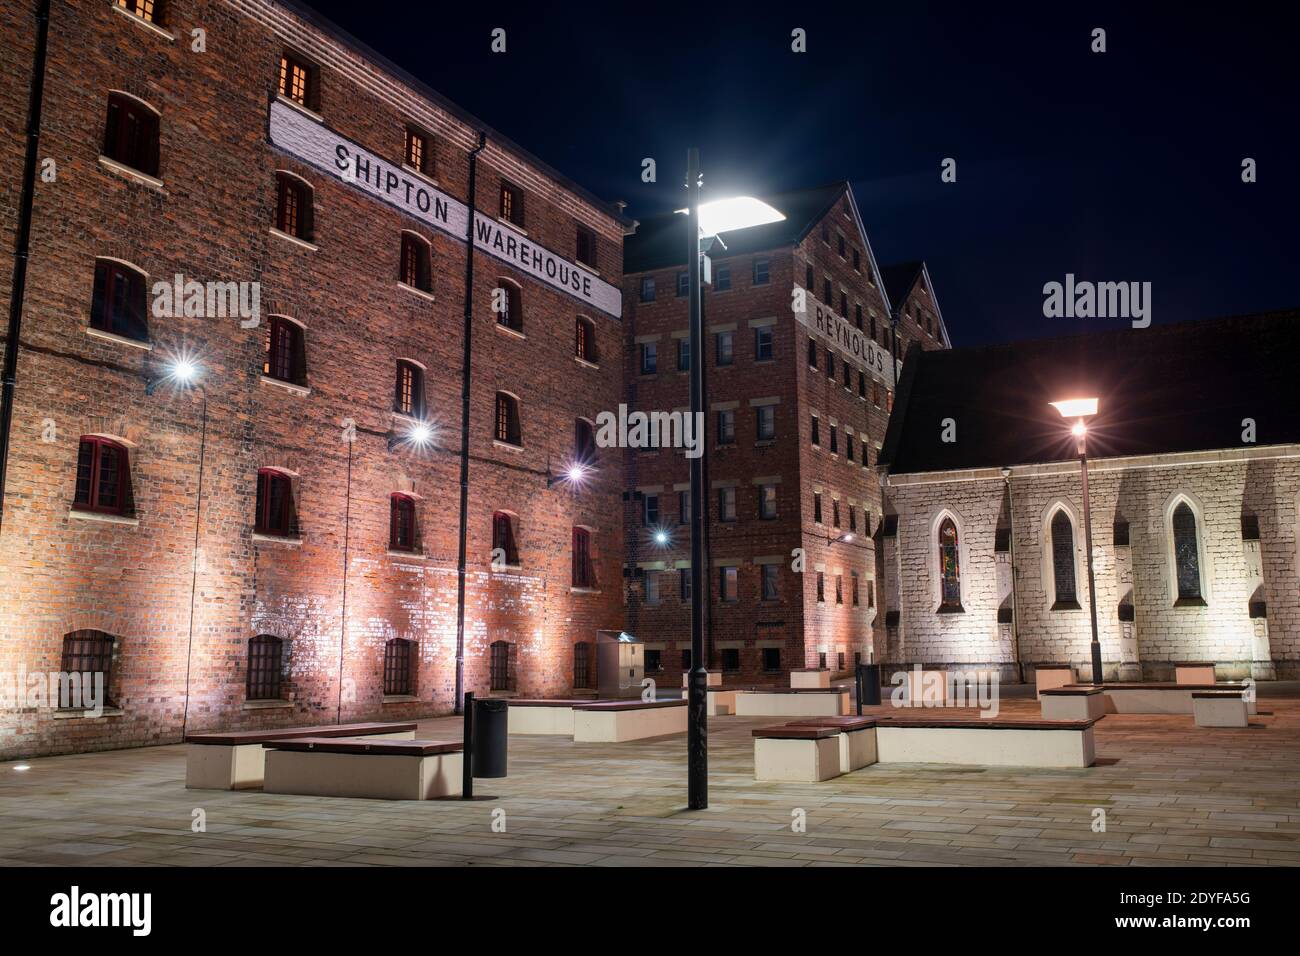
(1157, 698)
(1218, 709)
(1199, 672)
(242, 766)
(993, 744)
(808, 755)
(792, 703)
(1052, 676)
(1063, 704)
(856, 737)
(632, 720)
(376, 776)
(543, 717)
(804, 679)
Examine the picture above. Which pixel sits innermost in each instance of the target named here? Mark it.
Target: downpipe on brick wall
(467, 355)
(22, 243)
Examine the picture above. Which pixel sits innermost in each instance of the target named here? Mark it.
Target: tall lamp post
(704, 221)
(1080, 409)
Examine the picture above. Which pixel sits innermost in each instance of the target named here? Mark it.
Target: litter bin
(869, 681)
(489, 747)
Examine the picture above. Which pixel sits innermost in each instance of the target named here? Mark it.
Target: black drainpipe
(464, 426)
(22, 243)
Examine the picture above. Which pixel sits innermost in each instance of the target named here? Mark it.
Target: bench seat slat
(396, 748)
(608, 705)
(239, 738)
(980, 723)
(787, 732)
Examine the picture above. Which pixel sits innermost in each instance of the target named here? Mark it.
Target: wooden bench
(1050, 676)
(374, 769)
(1161, 698)
(1194, 672)
(791, 702)
(806, 677)
(235, 760)
(798, 754)
(990, 743)
(622, 720)
(1219, 708)
(857, 738)
(1072, 703)
(541, 716)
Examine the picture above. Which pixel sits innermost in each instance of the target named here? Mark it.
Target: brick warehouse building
(796, 407)
(1194, 480)
(273, 545)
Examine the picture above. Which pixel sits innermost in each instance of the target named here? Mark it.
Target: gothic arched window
(949, 566)
(1187, 558)
(1063, 560)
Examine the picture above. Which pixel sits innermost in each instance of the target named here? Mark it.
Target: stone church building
(1194, 468)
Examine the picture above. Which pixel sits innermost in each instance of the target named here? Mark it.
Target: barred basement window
(146, 10)
(408, 394)
(87, 652)
(131, 133)
(293, 207)
(1063, 561)
(415, 268)
(401, 523)
(103, 476)
(275, 512)
(512, 204)
(298, 80)
(398, 676)
(418, 152)
(585, 251)
(582, 665)
(509, 305)
(503, 538)
(501, 675)
(584, 569)
(286, 358)
(118, 301)
(585, 340)
(265, 660)
(507, 419)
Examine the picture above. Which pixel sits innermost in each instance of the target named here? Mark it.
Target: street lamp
(703, 220)
(1080, 409)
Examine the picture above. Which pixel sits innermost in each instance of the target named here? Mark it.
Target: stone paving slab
(1173, 794)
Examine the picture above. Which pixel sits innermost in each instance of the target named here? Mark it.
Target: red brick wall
(211, 221)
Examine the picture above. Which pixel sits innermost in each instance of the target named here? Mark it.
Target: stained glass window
(949, 570)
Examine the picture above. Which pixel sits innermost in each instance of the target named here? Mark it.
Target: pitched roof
(660, 241)
(1173, 388)
(899, 279)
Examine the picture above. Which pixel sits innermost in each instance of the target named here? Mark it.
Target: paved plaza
(1172, 794)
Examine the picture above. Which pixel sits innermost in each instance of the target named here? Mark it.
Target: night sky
(1120, 166)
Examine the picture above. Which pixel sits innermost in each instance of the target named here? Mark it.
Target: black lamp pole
(1087, 540)
(697, 741)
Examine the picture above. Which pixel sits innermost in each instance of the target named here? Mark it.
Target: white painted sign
(852, 342)
(320, 147)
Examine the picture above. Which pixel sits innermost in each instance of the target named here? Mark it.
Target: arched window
(949, 566)
(286, 352)
(1063, 560)
(265, 662)
(501, 671)
(118, 303)
(508, 305)
(507, 419)
(401, 523)
(275, 511)
(398, 672)
(415, 270)
(584, 441)
(103, 476)
(131, 134)
(584, 569)
(87, 652)
(582, 657)
(408, 398)
(1187, 557)
(503, 537)
(585, 341)
(293, 207)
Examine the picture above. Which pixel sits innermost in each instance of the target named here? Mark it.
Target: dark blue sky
(1122, 166)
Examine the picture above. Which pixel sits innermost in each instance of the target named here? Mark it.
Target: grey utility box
(620, 664)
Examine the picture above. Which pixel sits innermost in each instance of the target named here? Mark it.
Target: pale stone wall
(1220, 489)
